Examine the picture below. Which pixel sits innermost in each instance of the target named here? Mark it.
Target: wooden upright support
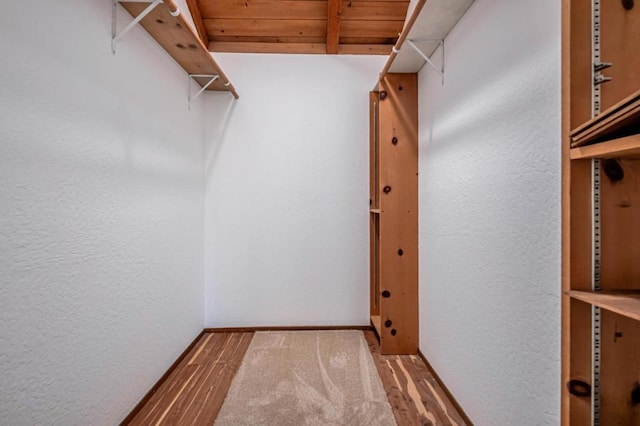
(395, 314)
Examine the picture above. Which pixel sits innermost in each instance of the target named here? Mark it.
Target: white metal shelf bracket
(115, 36)
(192, 77)
(438, 69)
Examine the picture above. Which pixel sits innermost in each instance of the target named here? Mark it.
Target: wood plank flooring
(415, 395)
(194, 392)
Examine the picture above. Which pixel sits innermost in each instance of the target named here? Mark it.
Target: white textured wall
(490, 213)
(101, 215)
(287, 192)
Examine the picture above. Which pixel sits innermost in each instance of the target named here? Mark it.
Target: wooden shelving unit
(621, 118)
(175, 35)
(624, 303)
(600, 213)
(394, 213)
(626, 147)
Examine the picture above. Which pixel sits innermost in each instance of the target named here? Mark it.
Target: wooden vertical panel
(620, 370)
(576, 209)
(374, 242)
(580, 361)
(374, 292)
(398, 110)
(619, 41)
(620, 213)
(577, 315)
(577, 61)
(374, 163)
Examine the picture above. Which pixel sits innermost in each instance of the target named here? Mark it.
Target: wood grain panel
(578, 332)
(578, 60)
(368, 40)
(249, 39)
(580, 361)
(264, 9)
(399, 213)
(620, 207)
(620, 370)
(374, 219)
(371, 28)
(194, 9)
(364, 49)
(415, 395)
(374, 10)
(265, 28)
(303, 48)
(620, 38)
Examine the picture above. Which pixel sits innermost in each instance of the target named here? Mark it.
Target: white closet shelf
(428, 25)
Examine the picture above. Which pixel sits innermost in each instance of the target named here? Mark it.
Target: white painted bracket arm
(211, 77)
(114, 13)
(173, 9)
(440, 69)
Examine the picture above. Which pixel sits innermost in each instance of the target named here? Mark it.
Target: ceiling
(299, 26)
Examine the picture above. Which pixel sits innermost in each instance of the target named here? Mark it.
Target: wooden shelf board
(626, 303)
(615, 120)
(376, 320)
(430, 20)
(626, 147)
(175, 35)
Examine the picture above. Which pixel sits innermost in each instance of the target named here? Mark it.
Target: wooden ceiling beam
(364, 49)
(333, 26)
(257, 47)
(298, 48)
(194, 8)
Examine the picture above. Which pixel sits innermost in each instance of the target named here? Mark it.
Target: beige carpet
(307, 378)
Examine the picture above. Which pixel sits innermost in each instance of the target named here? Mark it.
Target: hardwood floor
(415, 395)
(195, 390)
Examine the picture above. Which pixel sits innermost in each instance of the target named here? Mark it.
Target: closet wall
(287, 201)
(101, 201)
(490, 213)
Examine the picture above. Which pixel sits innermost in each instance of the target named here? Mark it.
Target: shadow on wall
(484, 98)
(216, 130)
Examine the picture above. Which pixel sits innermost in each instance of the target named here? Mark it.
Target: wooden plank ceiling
(299, 26)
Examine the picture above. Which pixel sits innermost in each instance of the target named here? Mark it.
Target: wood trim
(565, 345)
(333, 26)
(286, 328)
(160, 381)
(446, 390)
(197, 20)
